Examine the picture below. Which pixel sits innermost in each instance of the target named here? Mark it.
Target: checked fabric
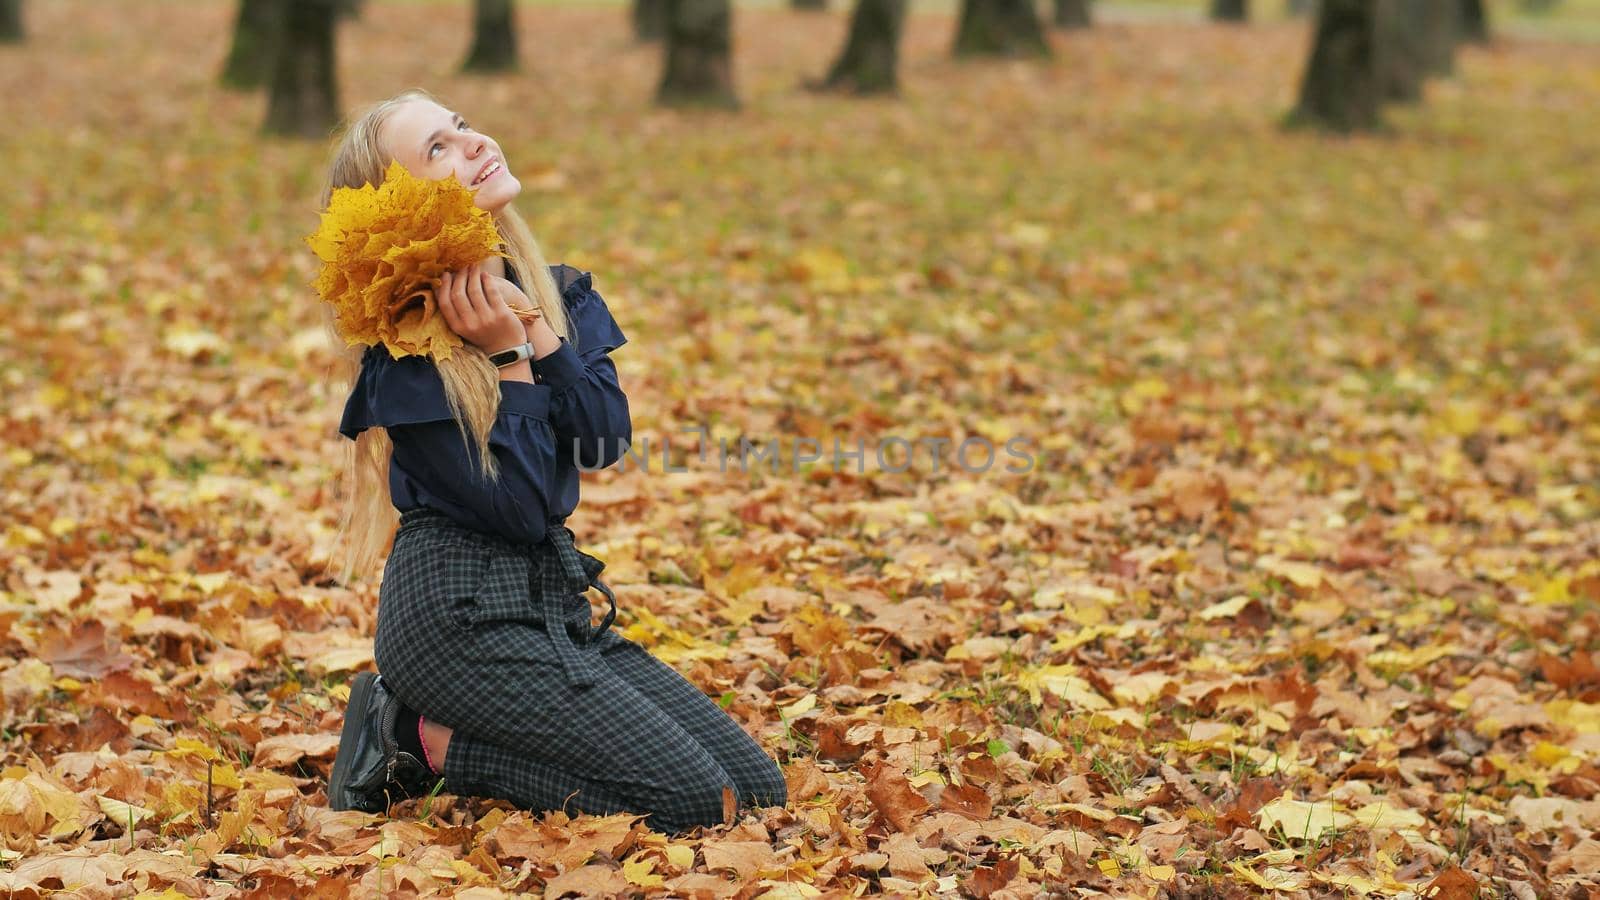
(493, 639)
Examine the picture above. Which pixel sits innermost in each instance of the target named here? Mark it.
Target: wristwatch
(515, 354)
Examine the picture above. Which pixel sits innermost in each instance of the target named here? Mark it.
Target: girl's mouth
(488, 173)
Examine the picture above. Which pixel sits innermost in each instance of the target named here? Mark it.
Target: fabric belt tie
(557, 572)
(562, 571)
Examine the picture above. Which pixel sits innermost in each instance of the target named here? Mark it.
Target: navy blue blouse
(578, 415)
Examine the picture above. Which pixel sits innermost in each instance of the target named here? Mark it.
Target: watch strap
(504, 358)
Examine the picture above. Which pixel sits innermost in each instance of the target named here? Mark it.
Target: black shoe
(371, 770)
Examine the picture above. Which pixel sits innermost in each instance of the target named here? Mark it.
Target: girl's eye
(463, 126)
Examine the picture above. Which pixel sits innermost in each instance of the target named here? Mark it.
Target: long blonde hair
(471, 382)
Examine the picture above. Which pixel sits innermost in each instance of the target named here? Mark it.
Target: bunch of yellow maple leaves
(383, 249)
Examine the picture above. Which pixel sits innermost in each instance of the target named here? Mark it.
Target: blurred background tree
(698, 69)
(304, 99)
(868, 62)
(11, 21)
(494, 37)
(1072, 13)
(1340, 89)
(649, 20)
(1230, 10)
(1000, 28)
(255, 42)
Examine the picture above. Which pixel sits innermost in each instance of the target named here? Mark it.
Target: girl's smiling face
(433, 142)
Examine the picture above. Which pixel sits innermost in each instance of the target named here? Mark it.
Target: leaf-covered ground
(1299, 597)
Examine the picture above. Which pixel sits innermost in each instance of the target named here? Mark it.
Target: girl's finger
(469, 286)
(446, 304)
(475, 291)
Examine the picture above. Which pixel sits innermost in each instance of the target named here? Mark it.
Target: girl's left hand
(512, 296)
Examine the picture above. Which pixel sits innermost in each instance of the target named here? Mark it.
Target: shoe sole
(360, 694)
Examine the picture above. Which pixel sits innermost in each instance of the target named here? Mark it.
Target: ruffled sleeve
(409, 391)
(391, 391)
(591, 320)
(588, 408)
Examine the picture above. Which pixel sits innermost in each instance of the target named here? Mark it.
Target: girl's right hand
(472, 308)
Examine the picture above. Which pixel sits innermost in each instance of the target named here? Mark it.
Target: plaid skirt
(493, 639)
(469, 578)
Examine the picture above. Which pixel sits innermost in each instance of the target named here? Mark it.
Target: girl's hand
(513, 297)
(473, 309)
(534, 325)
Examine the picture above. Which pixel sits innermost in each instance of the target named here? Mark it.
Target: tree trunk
(1230, 10)
(649, 20)
(1072, 13)
(699, 61)
(1440, 24)
(808, 5)
(1339, 91)
(255, 44)
(1000, 28)
(1474, 21)
(1397, 51)
(11, 22)
(494, 38)
(871, 52)
(1415, 39)
(304, 100)
(351, 9)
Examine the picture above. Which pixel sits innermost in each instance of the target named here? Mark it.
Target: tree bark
(808, 5)
(1000, 28)
(1397, 51)
(11, 22)
(649, 20)
(1474, 21)
(1339, 91)
(255, 44)
(1416, 39)
(1440, 23)
(1072, 13)
(871, 52)
(351, 9)
(304, 100)
(494, 38)
(699, 61)
(1230, 10)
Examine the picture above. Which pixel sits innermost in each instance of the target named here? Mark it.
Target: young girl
(492, 678)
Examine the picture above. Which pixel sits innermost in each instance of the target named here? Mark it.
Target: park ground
(1298, 594)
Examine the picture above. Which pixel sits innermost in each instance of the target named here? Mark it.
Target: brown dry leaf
(287, 749)
(986, 880)
(86, 651)
(1452, 884)
(744, 858)
(589, 881)
(804, 780)
(1582, 859)
(968, 800)
(909, 859)
(893, 796)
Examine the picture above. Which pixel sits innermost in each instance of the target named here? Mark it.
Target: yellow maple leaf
(641, 873)
(383, 249)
